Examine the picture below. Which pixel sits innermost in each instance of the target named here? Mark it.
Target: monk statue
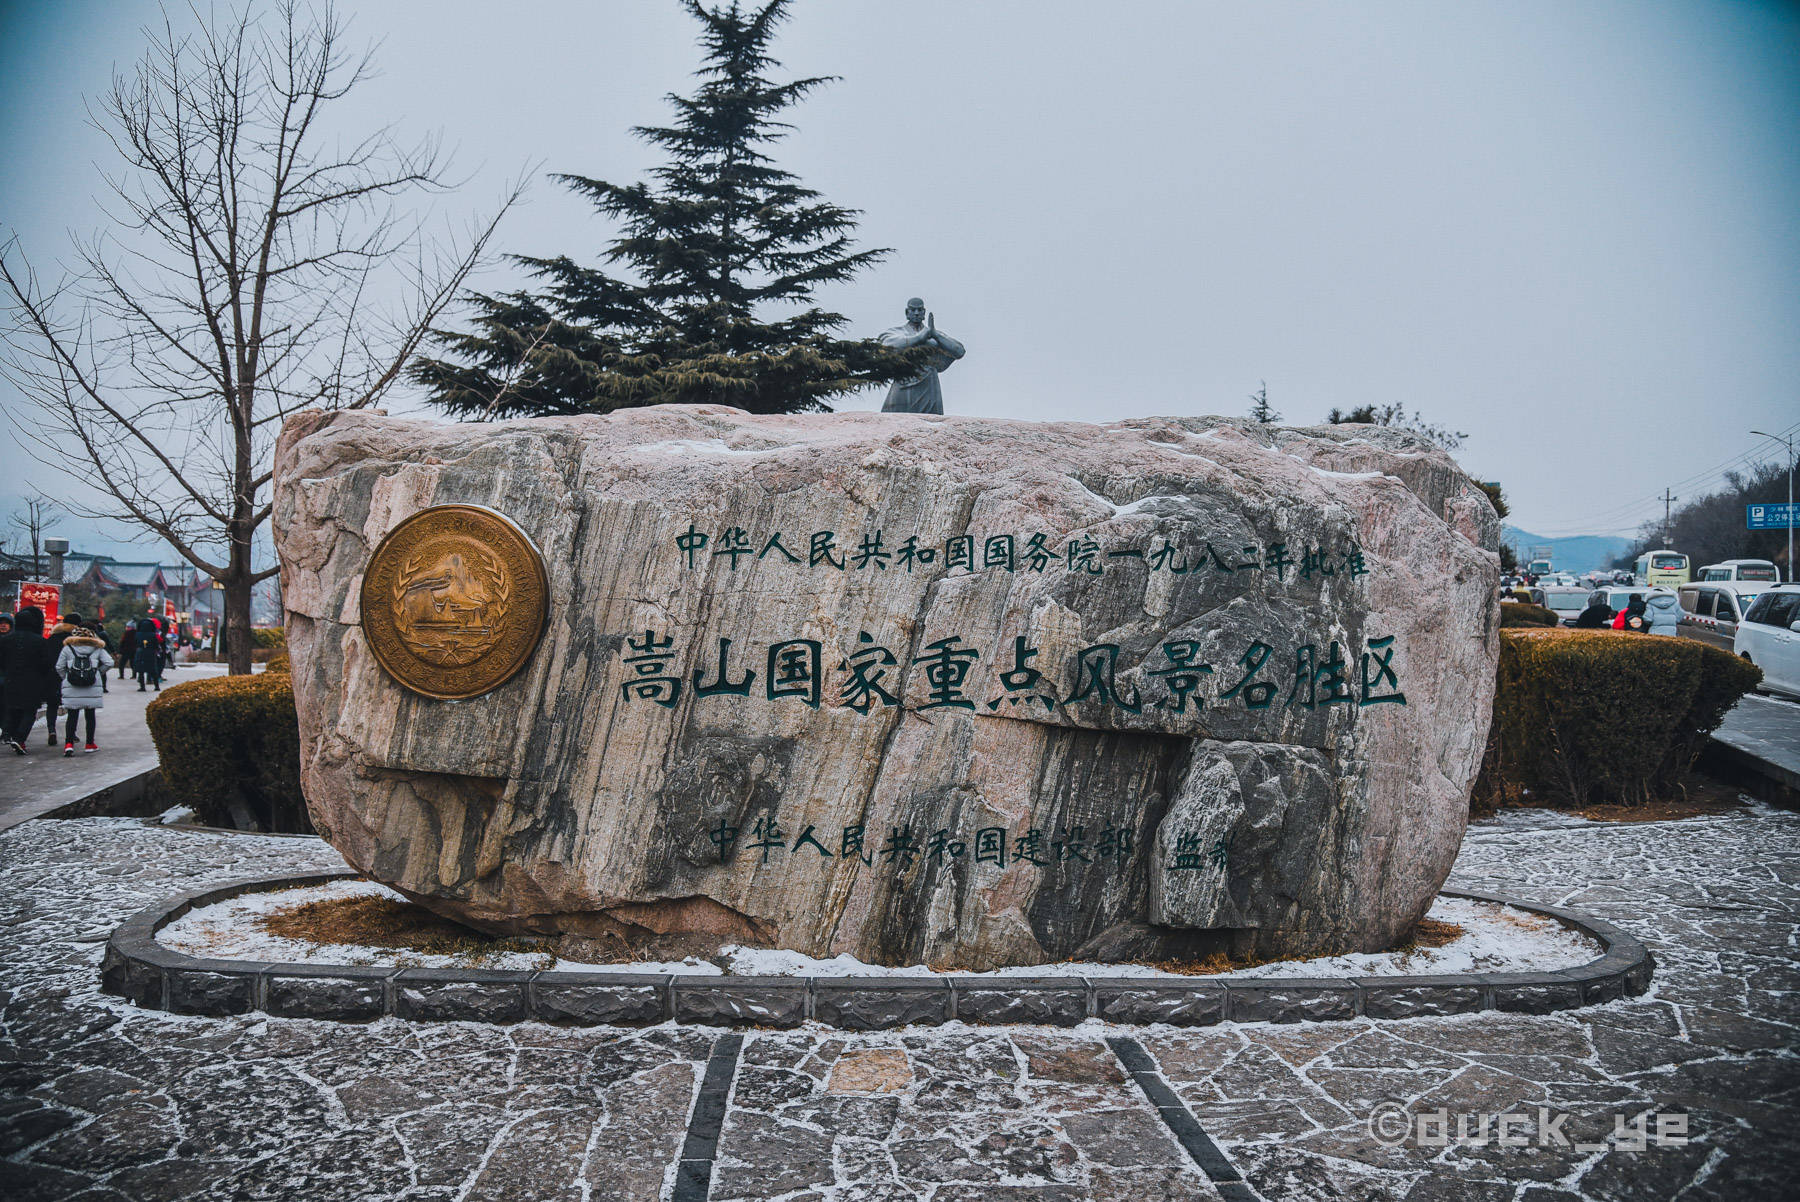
(921, 394)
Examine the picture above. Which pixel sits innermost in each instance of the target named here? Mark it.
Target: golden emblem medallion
(454, 601)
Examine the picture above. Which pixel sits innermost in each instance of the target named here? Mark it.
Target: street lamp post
(1788, 441)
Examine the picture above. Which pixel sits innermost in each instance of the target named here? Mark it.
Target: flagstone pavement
(101, 1102)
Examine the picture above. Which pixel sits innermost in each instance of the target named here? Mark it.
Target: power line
(1700, 479)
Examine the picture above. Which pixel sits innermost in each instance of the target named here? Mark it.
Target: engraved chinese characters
(454, 601)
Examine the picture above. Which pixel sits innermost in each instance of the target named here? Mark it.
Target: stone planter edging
(144, 971)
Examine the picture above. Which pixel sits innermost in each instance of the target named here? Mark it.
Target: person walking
(25, 666)
(82, 665)
(1632, 616)
(147, 658)
(127, 646)
(64, 627)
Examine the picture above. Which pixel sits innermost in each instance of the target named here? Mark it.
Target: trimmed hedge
(1587, 717)
(1524, 613)
(230, 748)
(268, 637)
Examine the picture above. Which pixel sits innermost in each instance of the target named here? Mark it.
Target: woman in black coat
(146, 659)
(27, 665)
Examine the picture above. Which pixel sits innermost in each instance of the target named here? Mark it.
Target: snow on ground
(1495, 939)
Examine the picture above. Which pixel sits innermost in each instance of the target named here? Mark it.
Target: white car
(1769, 637)
(1711, 612)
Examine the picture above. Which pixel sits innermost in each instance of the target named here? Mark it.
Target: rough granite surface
(1284, 799)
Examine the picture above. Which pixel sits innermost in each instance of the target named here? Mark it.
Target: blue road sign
(1778, 516)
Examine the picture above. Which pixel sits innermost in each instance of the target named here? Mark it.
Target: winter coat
(27, 665)
(1595, 617)
(128, 642)
(77, 646)
(1633, 610)
(58, 634)
(146, 657)
(1664, 611)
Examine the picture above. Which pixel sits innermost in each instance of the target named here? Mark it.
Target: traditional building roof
(130, 575)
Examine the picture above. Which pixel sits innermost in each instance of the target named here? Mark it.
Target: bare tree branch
(249, 269)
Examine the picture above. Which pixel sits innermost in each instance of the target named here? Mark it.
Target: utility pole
(1788, 441)
(1669, 500)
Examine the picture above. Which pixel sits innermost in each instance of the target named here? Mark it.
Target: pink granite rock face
(956, 691)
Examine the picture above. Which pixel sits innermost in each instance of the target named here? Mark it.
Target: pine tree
(1260, 409)
(719, 234)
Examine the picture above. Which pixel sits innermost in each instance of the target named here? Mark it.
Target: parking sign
(1777, 515)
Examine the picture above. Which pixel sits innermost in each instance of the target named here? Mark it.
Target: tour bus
(1663, 568)
(1757, 571)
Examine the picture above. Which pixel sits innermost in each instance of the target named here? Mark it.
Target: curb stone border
(140, 969)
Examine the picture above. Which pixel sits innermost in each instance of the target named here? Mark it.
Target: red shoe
(68, 749)
(91, 746)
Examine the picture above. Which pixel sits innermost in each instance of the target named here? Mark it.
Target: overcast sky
(1571, 230)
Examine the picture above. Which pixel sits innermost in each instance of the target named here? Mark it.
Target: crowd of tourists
(68, 670)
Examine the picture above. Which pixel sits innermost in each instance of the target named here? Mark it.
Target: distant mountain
(1581, 553)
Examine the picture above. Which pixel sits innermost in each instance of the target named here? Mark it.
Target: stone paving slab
(101, 1100)
(1766, 730)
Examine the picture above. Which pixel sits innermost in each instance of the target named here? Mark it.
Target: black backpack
(81, 669)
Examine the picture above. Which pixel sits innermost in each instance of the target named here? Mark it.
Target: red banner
(168, 609)
(47, 597)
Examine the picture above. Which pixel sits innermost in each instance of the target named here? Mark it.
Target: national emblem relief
(454, 601)
(450, 602)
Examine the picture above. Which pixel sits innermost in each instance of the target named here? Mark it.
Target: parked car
(1566, 603)
(1755, 571)
(1711, 612)
(1769, 637)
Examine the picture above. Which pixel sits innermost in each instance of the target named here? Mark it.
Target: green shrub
(1523, 613)
(230, 747)
(268, 637)
(1587, 717)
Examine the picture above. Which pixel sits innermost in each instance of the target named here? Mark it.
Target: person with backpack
(82, 665)
(65, 626)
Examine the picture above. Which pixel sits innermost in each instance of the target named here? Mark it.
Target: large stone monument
(964, 692)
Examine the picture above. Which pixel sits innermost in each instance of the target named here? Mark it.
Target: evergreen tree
(717, 236)
(1260, 409)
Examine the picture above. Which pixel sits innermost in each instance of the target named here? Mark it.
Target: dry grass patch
(1429, 933)
(1432, 933)
(386, 922)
